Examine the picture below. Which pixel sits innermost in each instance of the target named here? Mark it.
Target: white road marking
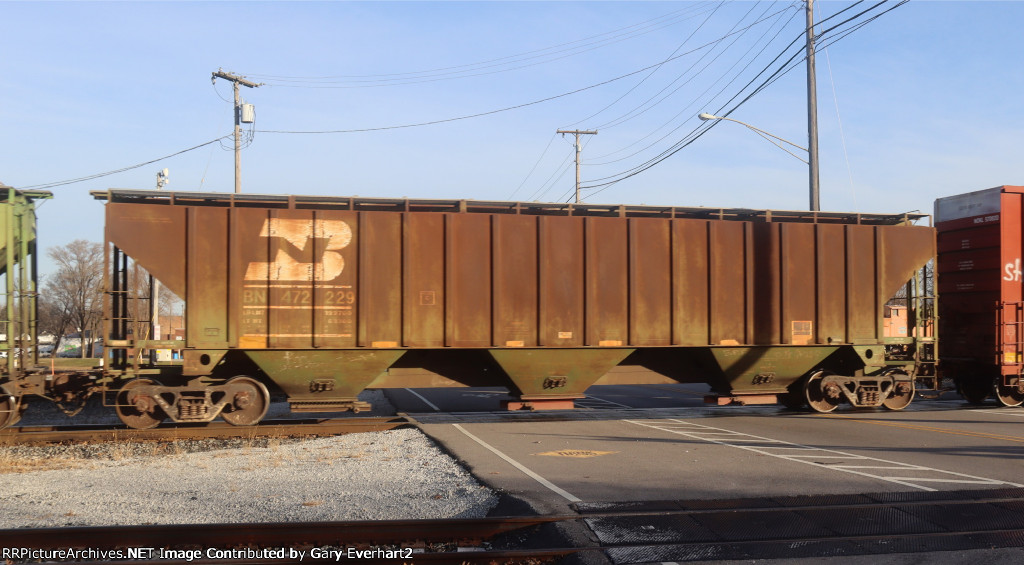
(420, 396)
(1012, 412)
(551, 486)
(739, 441)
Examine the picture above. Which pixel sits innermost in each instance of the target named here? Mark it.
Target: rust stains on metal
(300, 283)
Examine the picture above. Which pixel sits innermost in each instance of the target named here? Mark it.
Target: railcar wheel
(902, 394)
(1012, 395)
(974, 390)
(249, 402)
(10, 411)
(137, 409)
(821, 399)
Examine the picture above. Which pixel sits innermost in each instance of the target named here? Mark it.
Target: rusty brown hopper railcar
(324, 297)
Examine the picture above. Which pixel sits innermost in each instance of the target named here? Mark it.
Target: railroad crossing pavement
(690, 452)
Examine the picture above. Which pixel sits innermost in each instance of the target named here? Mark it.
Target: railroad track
(29, 435)
(309, 427)
(390, 541)
(810, 526)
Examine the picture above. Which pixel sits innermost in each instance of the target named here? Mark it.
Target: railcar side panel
(561, 268)
(424, 276)
(768, 280)
(468, 280)
(650, 282)
(606, 297)
(727, 282)
(861, 284)
(799, 270)
(831, 290)
(691, 282)
(380, 280)
(206, 286)
(515, 270)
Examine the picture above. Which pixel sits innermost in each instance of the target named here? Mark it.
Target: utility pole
(579, 150)
(812, 111)
(236, 80)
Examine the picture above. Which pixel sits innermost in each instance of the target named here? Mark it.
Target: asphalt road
(659, 442)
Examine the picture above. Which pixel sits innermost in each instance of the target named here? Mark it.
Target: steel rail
(461, 540)
(244, 539)
(27, 435)
(273, 534)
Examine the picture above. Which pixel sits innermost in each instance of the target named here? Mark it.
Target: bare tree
(75, 290)
(53, 318)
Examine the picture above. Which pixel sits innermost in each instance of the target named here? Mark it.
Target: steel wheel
(137, 409)
(10, 411)
(249, 401)
(821, 399)
(902, 394)
(1012, 395)
(974, 390)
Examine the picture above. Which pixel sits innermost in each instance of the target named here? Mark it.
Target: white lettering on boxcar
(298, 232)
(1012, 271)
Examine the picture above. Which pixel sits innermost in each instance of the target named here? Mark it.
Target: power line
(525, 104)
(654, 70)
(534, 168)
(783, 69)
(123, 169)
(460, 71)
(687, 110)
(641, 109)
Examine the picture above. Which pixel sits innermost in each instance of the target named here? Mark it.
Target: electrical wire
(640, 110)
(699, 131)
(552, 180)
(460, 71)
(687, 110)
(213, 84)
(644, 79)
(839, 119)
(761, 18)
(517, 106)
(534, 168)
(647, 105)
(121, 170)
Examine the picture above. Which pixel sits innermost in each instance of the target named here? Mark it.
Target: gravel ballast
(370, 476)
(397, 474)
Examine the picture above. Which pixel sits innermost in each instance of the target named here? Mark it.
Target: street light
(814, 189)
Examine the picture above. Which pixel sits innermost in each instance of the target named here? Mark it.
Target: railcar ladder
(1009, 353)
(922, 322)
(129, 318)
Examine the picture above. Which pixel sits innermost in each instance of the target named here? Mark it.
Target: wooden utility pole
(812, 111)
(236, 80)
(579, 149)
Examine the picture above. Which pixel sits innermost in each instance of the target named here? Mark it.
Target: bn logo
(299, 233)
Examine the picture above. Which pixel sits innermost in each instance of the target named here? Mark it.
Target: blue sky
(929, 97)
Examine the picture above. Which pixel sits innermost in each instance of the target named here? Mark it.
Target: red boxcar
(982, 306)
